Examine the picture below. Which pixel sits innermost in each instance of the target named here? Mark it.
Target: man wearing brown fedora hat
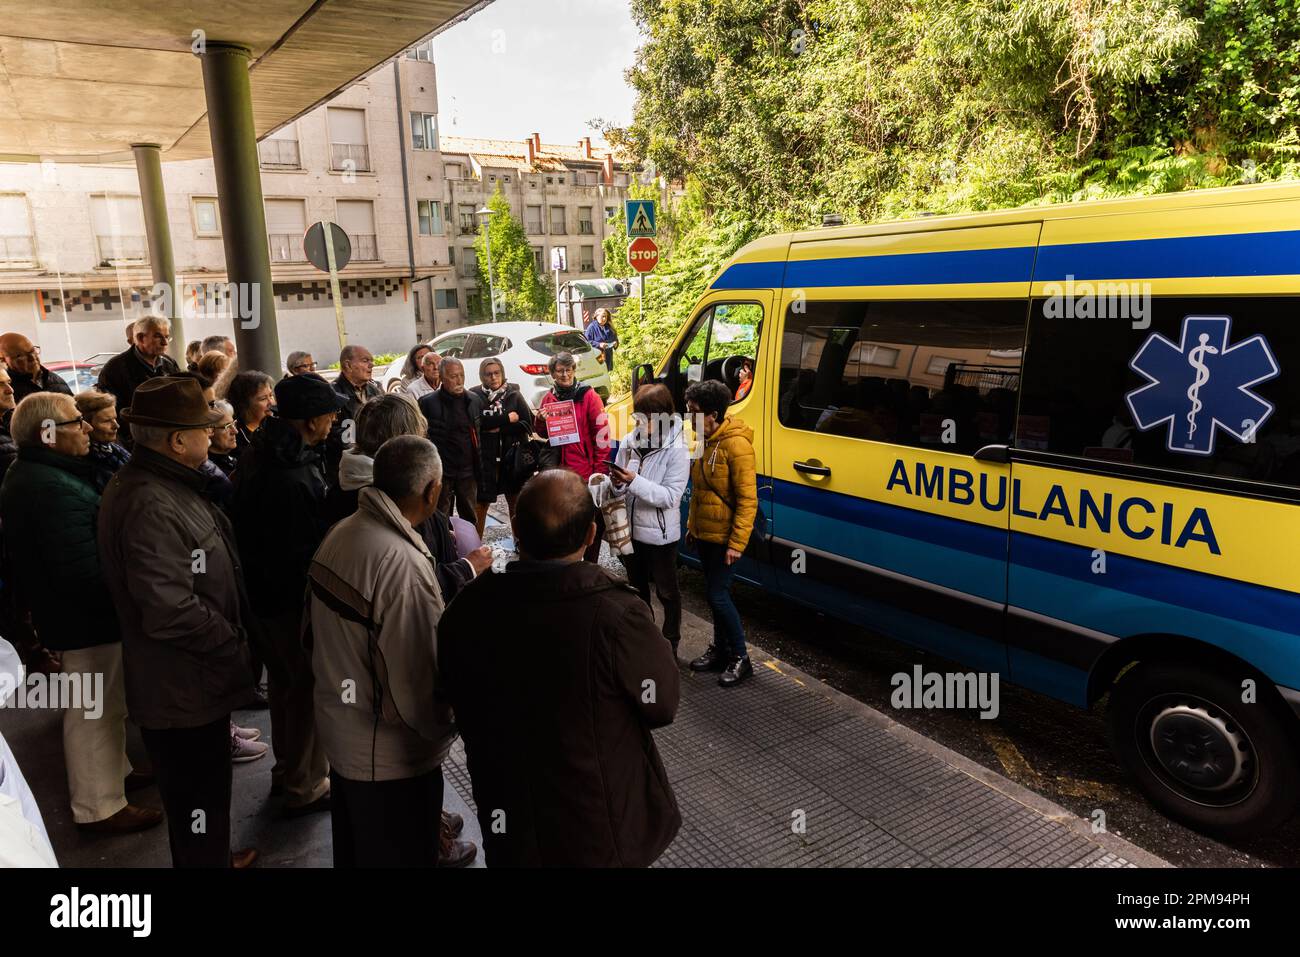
(170, 561)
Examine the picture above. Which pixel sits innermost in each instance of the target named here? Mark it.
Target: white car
(524, 348)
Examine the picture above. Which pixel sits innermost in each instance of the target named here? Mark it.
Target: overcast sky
(545, 66)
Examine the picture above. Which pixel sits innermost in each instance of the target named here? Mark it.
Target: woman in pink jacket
(588, 453)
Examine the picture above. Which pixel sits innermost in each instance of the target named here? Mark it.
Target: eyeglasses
(304, 367)
(77, 421)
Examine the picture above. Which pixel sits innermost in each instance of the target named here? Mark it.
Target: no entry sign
(643, 254)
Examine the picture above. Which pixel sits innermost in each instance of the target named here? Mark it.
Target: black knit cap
(305, 397)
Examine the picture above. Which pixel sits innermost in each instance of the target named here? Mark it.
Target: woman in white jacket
(651, 469)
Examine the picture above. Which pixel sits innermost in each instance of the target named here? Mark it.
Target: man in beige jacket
(375, 608)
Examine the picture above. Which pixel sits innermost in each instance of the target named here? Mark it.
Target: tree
(521, 292)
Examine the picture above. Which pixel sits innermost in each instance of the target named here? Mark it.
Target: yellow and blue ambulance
(1059, 443)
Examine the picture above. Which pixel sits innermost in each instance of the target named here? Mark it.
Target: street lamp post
(486, 215)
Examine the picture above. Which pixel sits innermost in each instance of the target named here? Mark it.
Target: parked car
(78, 375)
(523, 347)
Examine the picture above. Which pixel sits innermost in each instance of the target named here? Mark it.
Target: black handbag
(528, 457)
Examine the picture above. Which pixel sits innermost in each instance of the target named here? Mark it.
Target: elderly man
(377, 708)
(25, 369)
(453, 413)
(219, 344)
(171, 565)
(428, 380)
(356, 385)
(145, 359)
(557, 725)
(49, 505)
(279, 517)
(8, 450)
(299, 362)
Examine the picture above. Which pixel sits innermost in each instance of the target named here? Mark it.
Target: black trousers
(386, 823)
(192, 769)
(657, 564)
(461, 493)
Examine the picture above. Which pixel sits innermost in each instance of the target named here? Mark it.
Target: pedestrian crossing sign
(640, 217)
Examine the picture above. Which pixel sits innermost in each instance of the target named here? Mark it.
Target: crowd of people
(218, 526)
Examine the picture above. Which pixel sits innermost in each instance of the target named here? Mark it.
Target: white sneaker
(242, 750)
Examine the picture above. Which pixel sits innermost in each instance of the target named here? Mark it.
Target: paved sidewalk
(750, 764)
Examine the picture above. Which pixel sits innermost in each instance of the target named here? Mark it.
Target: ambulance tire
(1250, 784)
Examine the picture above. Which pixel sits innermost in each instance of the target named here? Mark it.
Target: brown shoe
(241, 860)
(125, 821)
(451, 852)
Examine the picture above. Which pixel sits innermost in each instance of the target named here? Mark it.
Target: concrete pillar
(148, 169)
(239, 195)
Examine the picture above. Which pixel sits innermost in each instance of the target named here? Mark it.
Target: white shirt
(418, 387)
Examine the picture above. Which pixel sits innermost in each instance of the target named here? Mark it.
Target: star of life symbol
(1202, 385)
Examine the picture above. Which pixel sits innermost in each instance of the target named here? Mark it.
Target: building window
(469, 264)
(472, 301)
(421, 51)
(286, 221)
(207, 219)
(430, 214)
(349, 152)
(587, 259)
(446, 299)
(563, 253)
(621, 180)
(280, 150)
(451, 255)
(492, 178)
(557, 221)
(561, 179)
(539, 259)
(465, 220)
(940, 374)
(610, 212)
(453, 170)
(357, 217)
(506, 180)
(118, 222)
(533, 220)
(424, 131)
(584, 221)
(15, 230)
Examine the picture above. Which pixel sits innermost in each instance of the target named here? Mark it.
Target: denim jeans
(728, 631)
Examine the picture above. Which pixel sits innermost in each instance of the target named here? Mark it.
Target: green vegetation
(521, 292)
(776, 112)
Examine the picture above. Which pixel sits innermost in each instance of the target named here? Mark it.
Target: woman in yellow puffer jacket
(724, 504)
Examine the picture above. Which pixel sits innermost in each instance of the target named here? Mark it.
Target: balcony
(117, 250)
(533, 228)
(557, 229)
(279, 154)
(350, 157)
(364, 248)
(584, 229)
(286, 248)
(587, 266)
(17, 249)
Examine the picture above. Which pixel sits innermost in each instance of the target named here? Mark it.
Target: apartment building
(564, 196)
(74, 261)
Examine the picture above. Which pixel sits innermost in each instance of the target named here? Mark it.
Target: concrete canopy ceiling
(82, 80)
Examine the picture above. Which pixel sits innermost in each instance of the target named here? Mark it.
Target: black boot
(737, 671)
(713, 659)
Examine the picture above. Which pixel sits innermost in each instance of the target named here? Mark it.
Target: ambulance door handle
(1000, 454)
(809, 469)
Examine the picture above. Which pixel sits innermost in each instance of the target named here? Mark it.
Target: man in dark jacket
(453, 413)
(50, 507)
(279, 516)
(169, 559)
(8, 449)
(355, 386)
(556, 698)
(144, 360)
(25, 369)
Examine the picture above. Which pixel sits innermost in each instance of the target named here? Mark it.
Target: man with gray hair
(218, 344)
(143, 360)
(375, 606)
(356, 384)
(298, 363)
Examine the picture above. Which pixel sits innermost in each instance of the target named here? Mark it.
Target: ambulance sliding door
(900, 363)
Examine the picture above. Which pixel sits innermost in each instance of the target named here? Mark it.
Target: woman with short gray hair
(106, 454)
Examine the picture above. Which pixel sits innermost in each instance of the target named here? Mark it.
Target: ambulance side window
(941, 375)
(1202, 385)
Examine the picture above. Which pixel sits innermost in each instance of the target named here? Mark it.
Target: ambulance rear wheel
(1200, 754)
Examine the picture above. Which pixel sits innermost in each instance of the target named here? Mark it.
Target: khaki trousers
(300, 763)
(94, 748)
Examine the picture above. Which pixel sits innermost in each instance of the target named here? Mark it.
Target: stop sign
(643, 254)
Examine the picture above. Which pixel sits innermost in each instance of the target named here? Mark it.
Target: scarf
(492, 399)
